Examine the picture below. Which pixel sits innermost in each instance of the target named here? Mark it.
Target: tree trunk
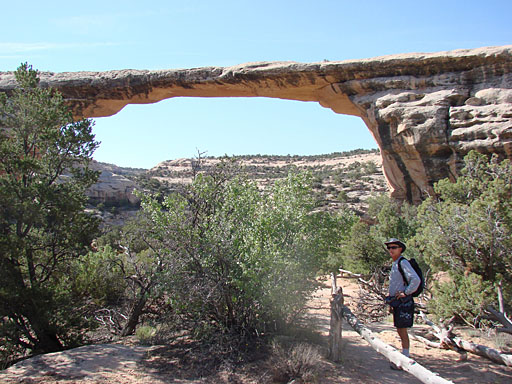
(482, 350)
(501, 302)
(344, 271)
(47, 340)
(503, 319)
(133, 319)
(46, 337)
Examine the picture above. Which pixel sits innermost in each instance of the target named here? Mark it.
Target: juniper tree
(466, 230)
(44, 157)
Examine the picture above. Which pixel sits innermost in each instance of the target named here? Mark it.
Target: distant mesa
(425, 110)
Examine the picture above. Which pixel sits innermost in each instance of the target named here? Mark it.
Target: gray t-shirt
(397, 283)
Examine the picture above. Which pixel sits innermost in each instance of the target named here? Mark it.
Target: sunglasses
(393, 247)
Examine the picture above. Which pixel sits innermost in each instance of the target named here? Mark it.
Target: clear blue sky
(93, 35)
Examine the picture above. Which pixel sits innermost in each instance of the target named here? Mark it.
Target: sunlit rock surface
(425, 110)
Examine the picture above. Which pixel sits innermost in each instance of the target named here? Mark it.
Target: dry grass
(298, 361)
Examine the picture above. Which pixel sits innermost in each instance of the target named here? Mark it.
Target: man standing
(400, 291)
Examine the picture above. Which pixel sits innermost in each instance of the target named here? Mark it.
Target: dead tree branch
(426, 341)
(370, 286)
(110, 319)
(351, 274)
(503, 319)
(449, 341)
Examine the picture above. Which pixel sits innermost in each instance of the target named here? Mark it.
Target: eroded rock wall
(425, 125)
(426, 111)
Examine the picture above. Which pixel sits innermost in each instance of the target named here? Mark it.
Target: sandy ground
(131, 364)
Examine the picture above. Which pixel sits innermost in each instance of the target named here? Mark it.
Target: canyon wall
(425, 110)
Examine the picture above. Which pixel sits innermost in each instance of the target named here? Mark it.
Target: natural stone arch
(425, 111)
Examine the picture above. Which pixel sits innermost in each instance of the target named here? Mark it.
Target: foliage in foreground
(237, 260)
(44, 157)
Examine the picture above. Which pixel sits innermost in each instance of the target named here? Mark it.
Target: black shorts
(403, 313)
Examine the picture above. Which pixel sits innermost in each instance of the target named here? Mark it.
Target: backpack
(419, 272)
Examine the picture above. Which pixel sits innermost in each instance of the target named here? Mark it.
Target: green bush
(343, 196)
(238, 260)
(467, 228)
(464, 297)
(99, 276)
(370, 167)
(363, 250)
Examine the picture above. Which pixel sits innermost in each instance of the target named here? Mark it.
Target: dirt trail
(372, 367)
(128, 364)
(358, 356)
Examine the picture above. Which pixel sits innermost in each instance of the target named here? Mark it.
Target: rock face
(425, 111)
(113, 187)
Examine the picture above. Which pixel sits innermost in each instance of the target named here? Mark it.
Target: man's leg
(404, 337)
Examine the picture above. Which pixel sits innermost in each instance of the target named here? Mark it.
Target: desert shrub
(363, 249)
(121, 277)
(330, 189)
(238, 261)
(394, 219)
(298, 361)
(370, 167)
(99, 277)
(343, 196)
(464, 297)
(146, 334)
(354, 174)
(153, 185)
(467, 230)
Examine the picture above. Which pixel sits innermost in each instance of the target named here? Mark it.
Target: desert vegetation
(340, 180)
(229, 258)
(43, 176)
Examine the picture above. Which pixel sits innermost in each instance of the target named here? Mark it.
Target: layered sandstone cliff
(115, 185)
(426, 111)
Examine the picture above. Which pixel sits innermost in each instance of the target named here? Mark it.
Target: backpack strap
(401, 270)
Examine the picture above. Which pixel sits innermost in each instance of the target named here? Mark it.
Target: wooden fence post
(335, 329)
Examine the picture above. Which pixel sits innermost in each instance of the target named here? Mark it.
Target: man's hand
(400, 294)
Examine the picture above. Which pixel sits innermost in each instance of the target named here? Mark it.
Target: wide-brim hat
(396, 241)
